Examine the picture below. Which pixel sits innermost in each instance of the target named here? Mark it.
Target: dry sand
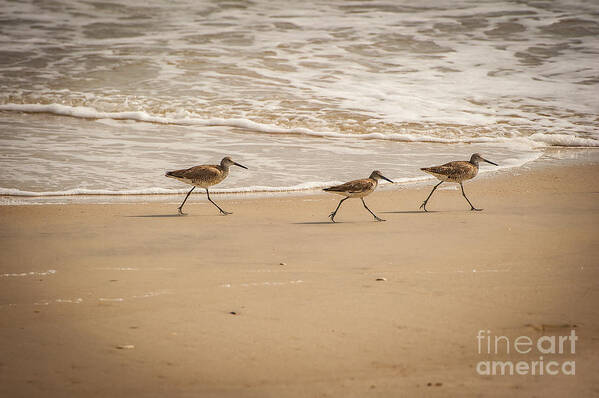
(310, 319)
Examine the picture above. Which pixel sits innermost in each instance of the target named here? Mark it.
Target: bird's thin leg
(221, 210)
(180, 208)
(366, 207)
(464, 195)
(332, 215)
(423, 205)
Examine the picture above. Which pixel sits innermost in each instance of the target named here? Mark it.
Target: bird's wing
(197, 172)
(449, 169)
(207, 172)
(353, 186)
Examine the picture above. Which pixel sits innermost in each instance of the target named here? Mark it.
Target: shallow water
(102, 98)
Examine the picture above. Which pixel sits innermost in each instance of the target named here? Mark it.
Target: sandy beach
(105, 291)
(276, 301)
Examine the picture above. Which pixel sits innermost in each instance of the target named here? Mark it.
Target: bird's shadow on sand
(330, 222)
(174, 215)
(323, 222)
(157, 216)
(316, 223)
(409, 212)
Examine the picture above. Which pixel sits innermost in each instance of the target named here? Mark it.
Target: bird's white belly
(358, 194)
(446, 178)
(442, 177)
(196, 183)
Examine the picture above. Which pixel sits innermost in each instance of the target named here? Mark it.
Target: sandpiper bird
(357, 189)
(458, 171)
(204, 176)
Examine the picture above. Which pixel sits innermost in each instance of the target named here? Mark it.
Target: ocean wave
(564, 140)
(533, 141)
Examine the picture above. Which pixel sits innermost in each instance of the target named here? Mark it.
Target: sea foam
(535, 140)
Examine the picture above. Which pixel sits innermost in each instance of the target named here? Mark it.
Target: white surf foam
(399, 182)
(163, 191)
(310, 186)
(31, 273)
(564, 140)
(535, 140)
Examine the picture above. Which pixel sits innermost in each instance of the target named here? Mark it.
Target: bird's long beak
(385, 178)
(237, 164)
(488, 161)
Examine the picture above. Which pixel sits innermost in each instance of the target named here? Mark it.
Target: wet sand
(276, 301)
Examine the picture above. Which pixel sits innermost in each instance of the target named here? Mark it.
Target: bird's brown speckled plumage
(357, 189)
(453, 171)
(201, 176)
(458, 172)
(204, 176)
